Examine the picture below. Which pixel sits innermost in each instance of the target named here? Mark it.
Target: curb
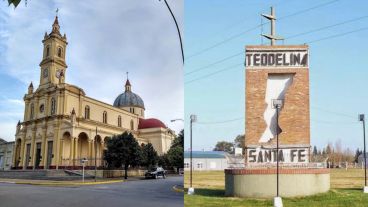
(63, 184)
(177, 189)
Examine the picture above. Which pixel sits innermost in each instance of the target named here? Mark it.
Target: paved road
(139, 193)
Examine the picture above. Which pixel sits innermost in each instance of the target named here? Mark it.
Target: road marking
(177, 189)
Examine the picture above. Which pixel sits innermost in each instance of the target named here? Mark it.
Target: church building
(62, 125)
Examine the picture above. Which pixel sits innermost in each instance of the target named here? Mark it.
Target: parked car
(155, 172)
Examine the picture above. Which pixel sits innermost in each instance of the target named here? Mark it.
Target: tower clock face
(59, 73)
(45, 73)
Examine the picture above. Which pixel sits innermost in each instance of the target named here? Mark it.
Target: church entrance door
(38, 155)
(49, 154)
(28, 154)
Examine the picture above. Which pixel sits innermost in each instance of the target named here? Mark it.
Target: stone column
(43, 147)
(71, 156)
(44, 154)
(61, 155)
(33, 148)
(90, 152)
(76, 155)
(55, 147)
(22, 151)
(101, 153)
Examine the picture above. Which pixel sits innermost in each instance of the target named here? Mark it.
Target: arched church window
(131, 125)
(47, 51)
(119, 121)
(32, 111)
(86, 112)
(60, 52)
(104, 117)
(53, 106)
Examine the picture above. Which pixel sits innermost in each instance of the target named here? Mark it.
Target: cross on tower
(57, 11)
(272, 18)
(127, 73)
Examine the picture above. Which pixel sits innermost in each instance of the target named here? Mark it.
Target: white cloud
(105, 41)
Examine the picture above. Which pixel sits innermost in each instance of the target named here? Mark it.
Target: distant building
(6, 153)
(361, 159)
(211, 160)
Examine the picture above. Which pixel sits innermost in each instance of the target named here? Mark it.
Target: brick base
(274, 171)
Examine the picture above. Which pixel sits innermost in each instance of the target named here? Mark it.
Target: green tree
(163, 161)
(240, 141)
(175, 156)
(179, 140)
(224, 146)
(357, 154)
(315, 152)
(123, 150)
(149, 156)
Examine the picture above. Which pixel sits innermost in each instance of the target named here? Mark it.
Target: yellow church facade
(62, 125)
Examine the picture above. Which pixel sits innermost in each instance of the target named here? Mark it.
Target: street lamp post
(362, 119)
(277, 104)
(193, 118)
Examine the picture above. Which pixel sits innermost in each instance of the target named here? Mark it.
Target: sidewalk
(60, 183)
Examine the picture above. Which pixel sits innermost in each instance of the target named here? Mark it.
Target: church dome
(128, 98)
(150, 123)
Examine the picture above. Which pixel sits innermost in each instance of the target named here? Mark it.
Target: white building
(211, 160)
(6, 153)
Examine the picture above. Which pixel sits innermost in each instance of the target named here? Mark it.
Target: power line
(337, 35)
(313, 41)
(336, 113)
(307, 10)
(214, 63)
(333, 122)
(211, 74)
(257, 26)
(222, 122)
(326, 27)
(223, 41)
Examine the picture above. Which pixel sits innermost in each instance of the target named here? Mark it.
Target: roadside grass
(346, 190)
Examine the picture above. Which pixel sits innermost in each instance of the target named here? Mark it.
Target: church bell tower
(53, 66)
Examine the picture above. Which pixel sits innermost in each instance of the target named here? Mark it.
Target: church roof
(150, 123)
(128, 98)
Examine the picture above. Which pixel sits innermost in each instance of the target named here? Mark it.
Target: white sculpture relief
(277, 85)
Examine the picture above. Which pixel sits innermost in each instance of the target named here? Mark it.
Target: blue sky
(338, 66)
(105, 41)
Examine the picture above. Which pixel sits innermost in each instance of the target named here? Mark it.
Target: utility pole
(272, 37)
(362, 119)
(193, 118)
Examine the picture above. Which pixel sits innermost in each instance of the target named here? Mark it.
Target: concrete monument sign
(277, 72)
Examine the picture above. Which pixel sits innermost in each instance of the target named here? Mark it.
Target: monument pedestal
(261, 183)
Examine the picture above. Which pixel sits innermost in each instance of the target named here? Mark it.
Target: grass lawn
(346, 190)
